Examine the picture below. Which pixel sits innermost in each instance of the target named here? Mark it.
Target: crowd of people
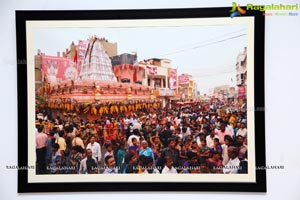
(189, 139)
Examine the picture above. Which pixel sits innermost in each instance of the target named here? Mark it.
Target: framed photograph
(141, 100)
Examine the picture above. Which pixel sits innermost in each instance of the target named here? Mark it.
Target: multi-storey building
(241, 74)
(187, 87)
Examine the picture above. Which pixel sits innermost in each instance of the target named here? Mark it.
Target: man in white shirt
(210, 139)
(137, 125)
(233, 165)
(177, 121)
(229, 128)
(96, 149)
(242, 131)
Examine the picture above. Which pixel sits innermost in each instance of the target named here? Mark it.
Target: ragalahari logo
(236, 10)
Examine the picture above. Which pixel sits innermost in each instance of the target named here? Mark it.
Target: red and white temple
(89, 88)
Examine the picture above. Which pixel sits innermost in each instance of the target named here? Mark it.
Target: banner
(151, 69)
(82, 46)
(58, 69)
(241, 92)
(172, 74)
(184, 79)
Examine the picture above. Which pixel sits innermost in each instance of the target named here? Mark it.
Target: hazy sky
(207, 52)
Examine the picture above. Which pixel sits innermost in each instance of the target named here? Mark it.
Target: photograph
(143, 102)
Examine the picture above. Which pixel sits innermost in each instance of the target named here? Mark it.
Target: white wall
(282, 100)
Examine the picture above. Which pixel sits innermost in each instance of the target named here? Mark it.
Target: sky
(207, 52)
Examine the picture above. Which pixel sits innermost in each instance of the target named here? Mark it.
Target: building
(161, 62)
(187, 87)
(124, 58)
(241, 74)
(38, 70)
(221, 92)
(156, 74)
(129, 73)
(160, 76)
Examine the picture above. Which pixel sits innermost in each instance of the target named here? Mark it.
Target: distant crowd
(191, 139)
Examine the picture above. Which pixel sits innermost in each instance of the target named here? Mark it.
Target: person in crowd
(243, 149)
(121, 155)
(170, 152)
(76, 158)
(215, 163)
(131, 164)
(77, 141)
(134, 148)
(243, 169)
(221, 133)
(56, 160)
(48, 155)
(111, 165)
(169, 167)
(203, 166)
(242, 130)
(228, 141)
(147, 166)
(166, 133)
(233, 164)
(146, 151)
(210, 139)
(204, 150)
(193, 168)
(91, 166)
(195, 148)
(217, 147)
(96, 149)
(135, 134)
(41, 148)
(191, 158)
(156, 146)
(83, 169)
(62, 146)
(109, 150)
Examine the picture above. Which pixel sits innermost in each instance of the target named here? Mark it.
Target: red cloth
(135, 75)
(75, 57)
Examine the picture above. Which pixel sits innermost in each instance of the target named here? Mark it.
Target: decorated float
(94, 91)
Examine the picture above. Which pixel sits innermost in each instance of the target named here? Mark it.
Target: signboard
(166, 92)
(184, 79)
(172, 74)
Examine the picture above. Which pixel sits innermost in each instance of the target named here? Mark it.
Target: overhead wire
(203, 43)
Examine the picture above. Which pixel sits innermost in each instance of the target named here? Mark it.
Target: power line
(212, 38)
(204, 45)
